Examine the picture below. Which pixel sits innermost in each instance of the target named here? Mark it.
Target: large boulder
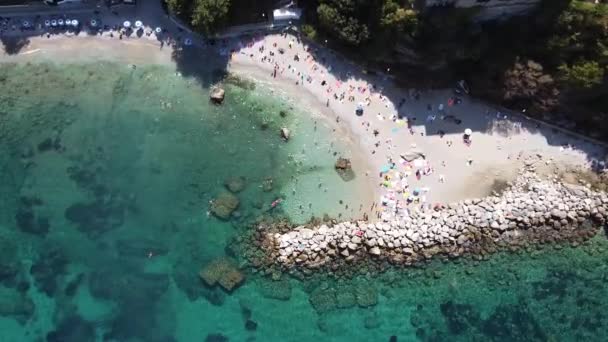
(217, 95)
(224, 205)
(224, 272)
(344, 168)
(235, 184)
(280, 289)
(285, 133)
(343, 164)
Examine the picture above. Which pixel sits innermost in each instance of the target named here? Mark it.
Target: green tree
(179, 7)
(398, 19)
(210, 15)
(582, 74)
(339, 19)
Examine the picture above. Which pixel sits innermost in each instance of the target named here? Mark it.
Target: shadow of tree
(14, 45)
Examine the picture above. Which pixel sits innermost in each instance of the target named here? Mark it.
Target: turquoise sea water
(106, 173)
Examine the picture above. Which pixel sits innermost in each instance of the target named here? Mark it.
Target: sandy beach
(411, 141)
(452, 170)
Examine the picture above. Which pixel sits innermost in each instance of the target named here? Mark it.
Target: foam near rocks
(530, 211)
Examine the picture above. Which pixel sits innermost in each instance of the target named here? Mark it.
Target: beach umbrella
(93, 22)
(60, 22)
(468, 131)
(68, 22)
(26, 23)
(74, 22)
(53, 22)
(188, 42)
(126, 24)
(47, 23)
(139, 24)
(158, 30)
(419, 163)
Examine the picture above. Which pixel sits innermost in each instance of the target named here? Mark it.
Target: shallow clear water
(106, 173)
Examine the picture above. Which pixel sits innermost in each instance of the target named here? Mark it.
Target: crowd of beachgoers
(408, 164)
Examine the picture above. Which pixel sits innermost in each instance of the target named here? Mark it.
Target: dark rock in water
(392, 339)
(15, 305)
(216, 338)
(83, 178)
(235, 184)
(72, 329)
(23, 286)
(30, 201)
(137, 296)
(224, 205)
(46, 145)
(49, 266)
(214, 296)
(459, 317)
(27, 222)
(343, 164)
(217, 95)
(96, 218)
(280, 289)
(251, 325)
(344, 168)
(246, 311)
(72, 286)
(513, 323)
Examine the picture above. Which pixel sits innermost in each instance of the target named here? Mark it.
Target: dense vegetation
(554, 60)
(209, 16)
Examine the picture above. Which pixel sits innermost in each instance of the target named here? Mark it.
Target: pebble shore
(530, 211)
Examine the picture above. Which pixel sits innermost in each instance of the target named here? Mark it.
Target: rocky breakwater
(530, 212)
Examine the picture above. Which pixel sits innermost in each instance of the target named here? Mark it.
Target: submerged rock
(49, 266)
(223, 205)
(97, 217)
(285, 133)
(224, 272)
(73, 329)
(343, 164)
(323, 300)
(216, 338)
(267, 184)
(217, 95)
(235, 184)
(344, 168)
(280, 289)
(27, 222)
(15, 305)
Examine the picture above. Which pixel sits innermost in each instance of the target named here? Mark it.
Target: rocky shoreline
(530, 212)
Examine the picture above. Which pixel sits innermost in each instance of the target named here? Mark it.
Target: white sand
(499, 142)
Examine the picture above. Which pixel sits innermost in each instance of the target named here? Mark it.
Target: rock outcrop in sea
(531, 211)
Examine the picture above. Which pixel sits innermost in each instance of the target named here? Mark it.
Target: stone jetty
(531, 211)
